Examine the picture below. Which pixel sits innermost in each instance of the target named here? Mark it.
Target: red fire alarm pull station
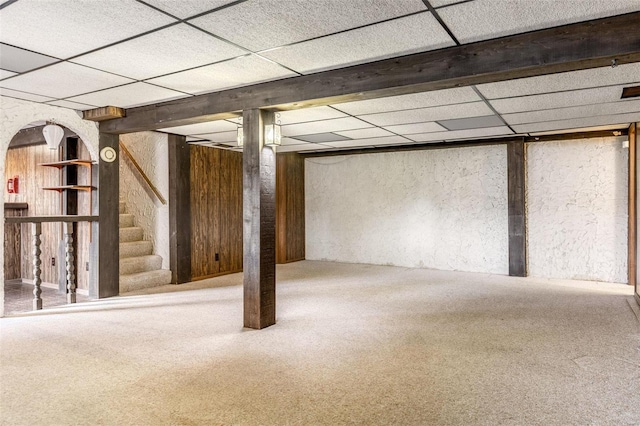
(12, 185)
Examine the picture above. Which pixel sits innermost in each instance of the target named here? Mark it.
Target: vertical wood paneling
(290, 227)
(12, 245)
(216, 211)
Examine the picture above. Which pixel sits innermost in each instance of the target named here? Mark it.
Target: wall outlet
(86, 266)
(53, 261)
(217, 257)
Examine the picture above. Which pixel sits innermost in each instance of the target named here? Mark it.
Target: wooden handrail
(142, 173)
(43, 219)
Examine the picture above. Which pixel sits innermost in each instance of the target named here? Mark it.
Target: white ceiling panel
(23, 95)
(374, 132)
(558, 100)
(620, 107)
(6, 74)
(573, 80)
(302, 147)
(202, 128)
(309, 114)
(461, 134)
(228, 137)
(324, 126)
(21, 60)
(128, 96)
(401, 36)
(485, 19)
(415, 100)
(440, 3)
(268, 24)
(623, 119)
(66, 28)
(162, 52)
(64, 80)
(186, 8)
(224, 75)
(409, 129)
(389, 140)
(72, 105)
(472, 109)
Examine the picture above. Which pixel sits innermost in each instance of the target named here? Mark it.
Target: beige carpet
(354, 344)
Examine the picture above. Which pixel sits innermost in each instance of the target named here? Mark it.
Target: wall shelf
(61, 164)
(64, 184)
(66, 187)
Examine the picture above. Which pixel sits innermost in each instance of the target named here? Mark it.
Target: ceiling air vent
(630, 92)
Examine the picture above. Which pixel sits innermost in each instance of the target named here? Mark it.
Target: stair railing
(36, 232)
(142, 174)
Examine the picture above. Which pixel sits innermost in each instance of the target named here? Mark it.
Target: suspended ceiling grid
(82, 54)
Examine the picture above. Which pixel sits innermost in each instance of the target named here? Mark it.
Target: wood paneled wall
(290, 230)
(216, 210)
(24, 162)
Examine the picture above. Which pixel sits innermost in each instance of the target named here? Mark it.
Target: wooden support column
(516, 176)
(105, 235)
(633, 213)
(179, 209)
(259, 221)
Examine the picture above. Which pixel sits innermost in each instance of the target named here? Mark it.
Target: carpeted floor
(354, 344)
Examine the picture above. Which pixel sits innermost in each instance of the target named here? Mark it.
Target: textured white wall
(443, 209)
(151, 151)
(14, 115)
(577, 209)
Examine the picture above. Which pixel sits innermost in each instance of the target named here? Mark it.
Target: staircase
(139, 267)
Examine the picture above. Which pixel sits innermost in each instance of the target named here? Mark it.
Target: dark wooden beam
(571, 47)
(633, 211)
(259, 223)
(179, 209)
(33, 136)
(516, 177)
(109, 222)
(103, 113)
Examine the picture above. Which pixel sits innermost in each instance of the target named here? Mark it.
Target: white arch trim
(14, 115)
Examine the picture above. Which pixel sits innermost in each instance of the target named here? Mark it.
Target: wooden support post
(69, 262)
(179, 209)
(107, 235)
(633, 232)
(259, 220)
(36, 231)
(516, 176)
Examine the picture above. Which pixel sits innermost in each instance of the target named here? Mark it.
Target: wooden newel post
(36, 231)
(71, 277)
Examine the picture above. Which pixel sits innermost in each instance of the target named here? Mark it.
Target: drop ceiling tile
(583, 129)
(309, 114)
(321, 137)
(22, 95)
(129, 96)
(72, 105)
(416, 33)
(619, 107)
(6, 74)
(408, 129)
(472, 109)
(324, 126)
(68, 28)
(415, 100)
(64, 80)
(291, 141)
(162, 52)
(202, 128)
(558, 100)
(374, 132)
(186, 8)
(220, 137)
(268, 24)
(440, 3)
(302, 147)
(623, 119)
(389, 140)
(574, 80)
(461, 134)
(486, 19)
(224, 75)
(20, 60)
(471, 123)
